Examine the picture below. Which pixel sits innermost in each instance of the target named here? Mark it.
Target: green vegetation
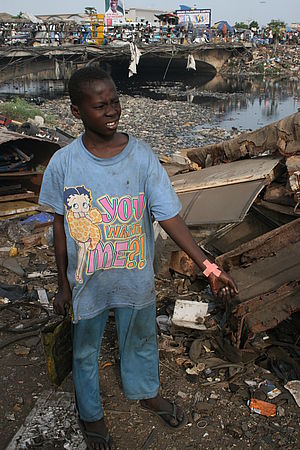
(20, 110)
(276, 25)
(241, 25)
(18, 16)
(260, 68)
(253, 24)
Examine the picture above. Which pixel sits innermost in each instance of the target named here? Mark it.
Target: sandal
(172, 414)
(91, 437)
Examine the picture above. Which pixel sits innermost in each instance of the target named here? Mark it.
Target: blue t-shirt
(107, 206)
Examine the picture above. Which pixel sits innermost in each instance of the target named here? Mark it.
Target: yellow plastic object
(13, 251)
(97, 28)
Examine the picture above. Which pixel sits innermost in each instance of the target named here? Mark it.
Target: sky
(231, 10)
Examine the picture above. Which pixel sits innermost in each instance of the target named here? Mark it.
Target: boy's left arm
(222, 285)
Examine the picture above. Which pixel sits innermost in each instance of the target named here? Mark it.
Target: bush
(20, 110)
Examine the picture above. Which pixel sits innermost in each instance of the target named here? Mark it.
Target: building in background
(141, 15)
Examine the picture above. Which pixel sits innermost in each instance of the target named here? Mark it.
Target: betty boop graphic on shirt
(83, 223)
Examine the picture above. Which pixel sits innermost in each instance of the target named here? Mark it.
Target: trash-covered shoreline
(167, 127)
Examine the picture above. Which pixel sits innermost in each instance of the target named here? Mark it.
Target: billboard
(114, 12)
(195, 16)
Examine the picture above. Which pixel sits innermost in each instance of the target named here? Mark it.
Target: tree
(242, 25)
(253, 24)
(276, 25)
(88, 10)
(18, 16)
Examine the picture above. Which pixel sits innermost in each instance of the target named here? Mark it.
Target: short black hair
(82, 76)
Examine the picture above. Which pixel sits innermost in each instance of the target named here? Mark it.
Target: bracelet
(211, 268)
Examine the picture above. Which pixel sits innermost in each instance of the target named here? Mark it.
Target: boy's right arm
(64, 295)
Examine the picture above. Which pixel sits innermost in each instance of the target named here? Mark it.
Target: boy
(104, 187)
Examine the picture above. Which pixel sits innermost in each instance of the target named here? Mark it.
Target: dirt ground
(215, 405)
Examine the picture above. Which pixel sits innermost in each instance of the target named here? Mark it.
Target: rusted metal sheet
(267, 273)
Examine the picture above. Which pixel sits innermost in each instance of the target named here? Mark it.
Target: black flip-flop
(172, 414)
(91, 437)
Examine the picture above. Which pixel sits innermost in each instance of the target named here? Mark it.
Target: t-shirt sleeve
(163, 201)
(52, 190)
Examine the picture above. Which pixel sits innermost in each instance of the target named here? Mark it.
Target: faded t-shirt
(107, 206)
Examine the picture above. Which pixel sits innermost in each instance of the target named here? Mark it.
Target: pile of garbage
(280, 60)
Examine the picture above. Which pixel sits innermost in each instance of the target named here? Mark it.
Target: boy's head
(80, 81)
(95, 101)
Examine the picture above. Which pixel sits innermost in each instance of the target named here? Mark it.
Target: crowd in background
(72, 33)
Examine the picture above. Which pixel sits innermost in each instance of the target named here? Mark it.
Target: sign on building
(195, 16)
(114, 12)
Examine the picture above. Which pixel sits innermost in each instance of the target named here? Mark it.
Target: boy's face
(100, 108)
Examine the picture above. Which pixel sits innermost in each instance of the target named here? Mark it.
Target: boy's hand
(222, 287)
(62, 298)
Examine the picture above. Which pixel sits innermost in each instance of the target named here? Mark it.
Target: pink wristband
(211, 268)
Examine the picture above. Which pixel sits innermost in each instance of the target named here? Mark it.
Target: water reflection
(242, 102)
(262, 101)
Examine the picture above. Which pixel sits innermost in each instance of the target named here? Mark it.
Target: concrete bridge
(208, 57)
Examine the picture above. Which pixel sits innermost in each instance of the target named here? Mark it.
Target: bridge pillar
(215, 57)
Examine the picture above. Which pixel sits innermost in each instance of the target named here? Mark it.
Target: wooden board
(21, 196)
(226, 174)
(17, 207)
(283, 209)
(268, 274)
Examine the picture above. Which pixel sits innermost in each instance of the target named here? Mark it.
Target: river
(245, 103)
(240, 102)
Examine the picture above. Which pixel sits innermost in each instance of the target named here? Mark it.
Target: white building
(141, 15)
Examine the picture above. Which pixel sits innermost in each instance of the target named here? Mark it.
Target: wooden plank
(7, 198)
(18, 216)
(283, 209)
(21, 173)
(226, 174)
(262, 246)
(17, 207)
(267, 274)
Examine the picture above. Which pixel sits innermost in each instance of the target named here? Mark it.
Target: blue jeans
(136, 331)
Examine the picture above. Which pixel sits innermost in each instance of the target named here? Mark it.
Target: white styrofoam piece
(190, 314)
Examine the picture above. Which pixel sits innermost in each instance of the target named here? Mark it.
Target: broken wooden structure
(247, 194)
(268, 276)
(23, 160)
